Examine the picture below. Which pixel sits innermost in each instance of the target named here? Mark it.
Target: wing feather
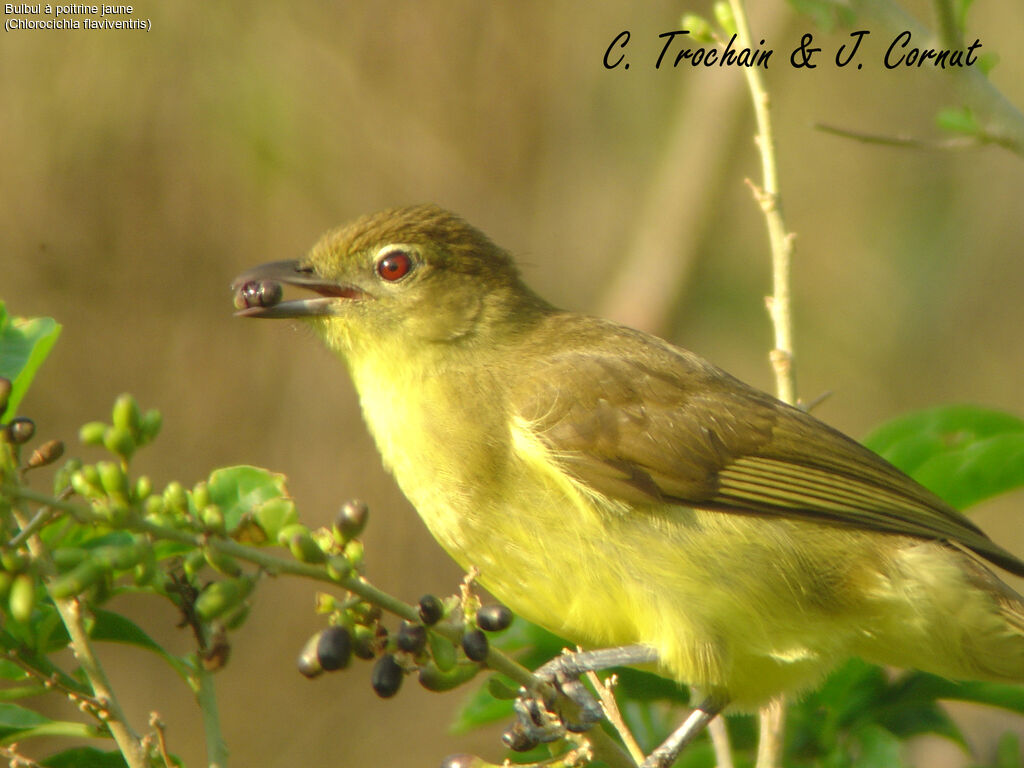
(642, 421)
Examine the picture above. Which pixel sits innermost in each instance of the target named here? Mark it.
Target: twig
(272, 564)
(70, 613)
(903, 142)
(614, 716)
(720, 742)
(1001, 122)
(769, 198)
(159, 730)
(206, 695)
(772, 717)
(772, 721)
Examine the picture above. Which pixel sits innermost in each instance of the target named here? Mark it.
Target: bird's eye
(394, 266)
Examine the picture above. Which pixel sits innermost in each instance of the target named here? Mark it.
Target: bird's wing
(646, 422)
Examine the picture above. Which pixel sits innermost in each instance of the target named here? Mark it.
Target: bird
(629, 496)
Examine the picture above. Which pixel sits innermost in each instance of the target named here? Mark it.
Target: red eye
(394, 266)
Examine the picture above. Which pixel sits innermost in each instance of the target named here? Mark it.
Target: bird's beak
(258, 291)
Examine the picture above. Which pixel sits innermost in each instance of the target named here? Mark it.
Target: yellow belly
(744, 606)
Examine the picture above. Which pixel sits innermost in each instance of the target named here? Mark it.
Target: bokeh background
(140, 171)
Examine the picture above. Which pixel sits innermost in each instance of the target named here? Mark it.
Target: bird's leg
(666, 754)
(538, 722)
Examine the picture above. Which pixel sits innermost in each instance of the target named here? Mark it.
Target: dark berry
(475, 645)
(412, 637)
(351, 519)
(387, 676)
(431, 610)
(493, 618)
(20, 430)
(334, 650)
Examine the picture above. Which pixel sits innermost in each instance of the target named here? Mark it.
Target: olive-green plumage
(619, 490)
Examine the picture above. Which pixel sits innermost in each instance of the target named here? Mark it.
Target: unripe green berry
(92, 433)
(200, 495)
(387, 676)
(175, 498)
(212, 518)
(112, 478)
(77, 580)
(119, 441)
(143, 488)
(86, 482)
(364, 642)
(194, 562)
(222, 562)
(433, 678)
(305, 549)
(13, 560)
(22, 597)
(443, 651)
(66, 558)
(150, 425)
(354, 553)
(125, 414)
(221, 596)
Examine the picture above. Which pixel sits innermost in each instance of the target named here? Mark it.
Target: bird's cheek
(445, 316)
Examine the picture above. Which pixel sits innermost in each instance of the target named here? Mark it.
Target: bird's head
(414, 276)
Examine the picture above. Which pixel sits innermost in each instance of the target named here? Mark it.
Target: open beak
(258, 291)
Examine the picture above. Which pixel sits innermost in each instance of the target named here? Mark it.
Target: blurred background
(141, 171)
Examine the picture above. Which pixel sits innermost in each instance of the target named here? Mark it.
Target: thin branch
(904, 142)
(71, 614)
(206, 695)
(772, 722)
(719, 733)
(770, 200)
(1001, 122)
(272, 564)
(772, 717)
(614, 715)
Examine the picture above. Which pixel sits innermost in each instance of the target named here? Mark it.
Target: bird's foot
(563, 703)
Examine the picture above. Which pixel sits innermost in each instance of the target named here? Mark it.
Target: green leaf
(481, 708)
(1008, 751)
(958, 120)
(85, 757)
(963, 453)
(1003, 695)
(879, 749)
(62, 728)
(11, 671)
(22, 692)
(24, 345)
(14, 717)
(826, 14)
(113, 627)
(237, 490)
